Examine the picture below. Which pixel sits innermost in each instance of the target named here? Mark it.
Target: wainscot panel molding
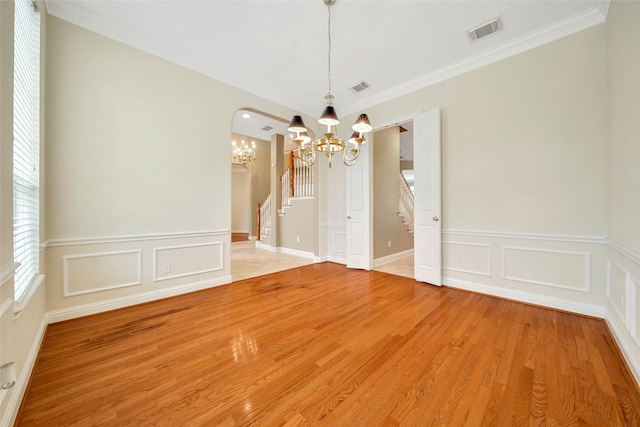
(632, 254)
(171, 262)
(133, 238)
(618, 290)
(634, 303)
(476, 256)
(531, 298)
(129, 300)
(101, 271)
(623, 301)
(547, 267)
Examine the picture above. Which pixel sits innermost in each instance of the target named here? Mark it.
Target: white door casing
(427, 198)
(358, 179)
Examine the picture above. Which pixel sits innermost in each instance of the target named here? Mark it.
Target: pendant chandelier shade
(329, 143)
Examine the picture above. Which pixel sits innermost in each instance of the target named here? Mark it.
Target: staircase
(264, 218)
(405, 204)
(297, 182)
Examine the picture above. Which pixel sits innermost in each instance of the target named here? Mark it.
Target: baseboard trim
(299, 253)
(385, 259)
(20, 388)
(115, 303)
(544, 301)
(626, 346)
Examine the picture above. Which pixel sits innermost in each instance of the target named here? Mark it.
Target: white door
(358, 211)
(427, 204)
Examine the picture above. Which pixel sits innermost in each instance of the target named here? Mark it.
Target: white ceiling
(278, 49)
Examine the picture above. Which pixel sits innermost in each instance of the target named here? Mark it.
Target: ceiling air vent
(267, 128)
(359, 87)
(485, 29)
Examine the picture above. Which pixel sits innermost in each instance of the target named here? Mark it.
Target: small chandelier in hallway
(329, 143)
(243, 153)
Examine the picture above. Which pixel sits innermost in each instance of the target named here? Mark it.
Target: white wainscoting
(555, 268)
(171, 262)
(558, 271)
(90, 275)
(623, 301)
(618, 285)
(118, 269)
(465, 257)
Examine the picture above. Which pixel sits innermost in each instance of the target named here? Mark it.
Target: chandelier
(329, 143)
(243, 153)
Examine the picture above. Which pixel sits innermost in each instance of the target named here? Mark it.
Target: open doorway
(393, 199)
(251, 187)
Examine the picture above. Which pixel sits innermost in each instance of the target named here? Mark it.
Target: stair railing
(264, 217)
(405, 205)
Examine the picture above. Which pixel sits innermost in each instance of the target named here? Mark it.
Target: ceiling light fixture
(329, 143)
(243, 153)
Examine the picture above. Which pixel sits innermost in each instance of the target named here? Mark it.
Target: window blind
(26, 145)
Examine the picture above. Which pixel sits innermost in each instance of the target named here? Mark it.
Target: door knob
(435, 218)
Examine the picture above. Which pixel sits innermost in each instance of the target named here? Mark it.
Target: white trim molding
(536, 299)
(549, 33)
(129, 300)
(632, 254)
(380, 261)
(596, 240)
(487, 246)
(134, 238)
(7, 272)
(189, 273)
(65, 272)
(20, 388)
(586, 287)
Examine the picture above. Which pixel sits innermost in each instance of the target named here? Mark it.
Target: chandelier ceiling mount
(329, 143)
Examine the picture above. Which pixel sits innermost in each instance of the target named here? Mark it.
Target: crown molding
(549, 33)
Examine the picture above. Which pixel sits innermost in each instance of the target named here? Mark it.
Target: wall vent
(485, 29)
(359, 87)
(267, 128)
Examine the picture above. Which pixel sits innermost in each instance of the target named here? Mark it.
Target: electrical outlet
(298, 239)
(389, 243)
(166, 268)
(465, 262)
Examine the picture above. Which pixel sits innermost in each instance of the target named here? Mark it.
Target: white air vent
(267, 128)
(485, 29)
(359, 87)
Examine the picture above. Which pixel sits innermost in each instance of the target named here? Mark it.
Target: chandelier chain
(329, 50)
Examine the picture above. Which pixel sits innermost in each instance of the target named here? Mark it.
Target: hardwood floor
(324, 345)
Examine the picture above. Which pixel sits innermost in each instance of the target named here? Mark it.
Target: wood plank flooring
(323, 345)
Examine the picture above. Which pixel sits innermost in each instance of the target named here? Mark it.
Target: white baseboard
(545, 301)
(115, 303)
(627, 347)
(379, 261)
(299, 253)
(20, 388)
(265, 246)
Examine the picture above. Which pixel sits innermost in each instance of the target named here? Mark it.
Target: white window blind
(26, 145)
